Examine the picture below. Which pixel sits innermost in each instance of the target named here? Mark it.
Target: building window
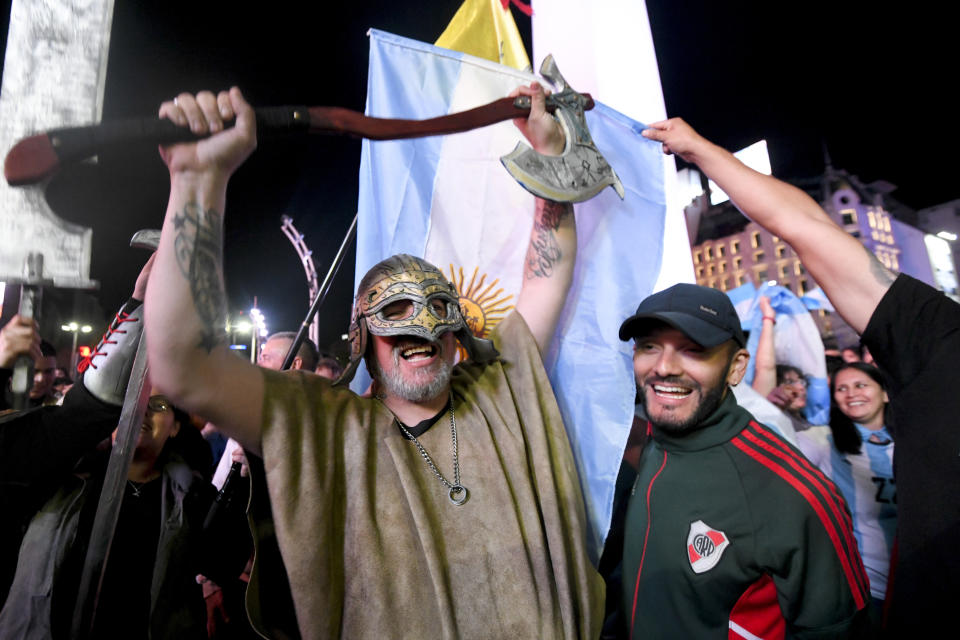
(737, 262)
(755, 239)
(802, 287)
(758, 256)
(739, 279)
(723, 267)
(761, 275)
(782, 270)
(696, 257)
(849, 216)
(724, 284)
(699, 272)
(781, 250)
(710, 270)
(707, 253)
(734, 246)
(798, 268)
(720, 251)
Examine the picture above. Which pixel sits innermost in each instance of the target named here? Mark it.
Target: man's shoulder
(776, 477)
(771, 460)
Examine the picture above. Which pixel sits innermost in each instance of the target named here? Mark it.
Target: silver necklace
(458, 493)
(137, 488)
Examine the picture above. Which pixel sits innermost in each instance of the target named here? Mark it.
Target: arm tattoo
(544, 251)
(198, 246)
(882, 275)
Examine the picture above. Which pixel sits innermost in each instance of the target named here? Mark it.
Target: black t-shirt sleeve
(908, 327)
(43, 442)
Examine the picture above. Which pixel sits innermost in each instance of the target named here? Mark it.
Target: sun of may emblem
(483, 307)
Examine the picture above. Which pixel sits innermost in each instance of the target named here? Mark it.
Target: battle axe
(576, 175)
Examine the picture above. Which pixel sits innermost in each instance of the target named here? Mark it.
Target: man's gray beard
(412, 391)
(711, 400)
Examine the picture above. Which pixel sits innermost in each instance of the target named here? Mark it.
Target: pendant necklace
(458, 493)
(136, 488)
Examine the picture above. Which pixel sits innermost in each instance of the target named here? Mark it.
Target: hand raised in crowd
(540, 128)
(677, 137)
(20, 337)
(766, 308)
(226, 148)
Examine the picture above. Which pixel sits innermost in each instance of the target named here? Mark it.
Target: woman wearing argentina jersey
(856, 451)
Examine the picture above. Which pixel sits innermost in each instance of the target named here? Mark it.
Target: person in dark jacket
(149, 587)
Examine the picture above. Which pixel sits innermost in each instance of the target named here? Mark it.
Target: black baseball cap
(704, 315)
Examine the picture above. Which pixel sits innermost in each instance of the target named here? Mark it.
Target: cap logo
(708, 310)
(705, 545)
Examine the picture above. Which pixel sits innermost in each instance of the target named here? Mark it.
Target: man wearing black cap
(729, 530)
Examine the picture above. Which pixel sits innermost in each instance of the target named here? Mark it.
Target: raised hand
(677, 137)
(540, 128)
(205, 113)
(19, 337)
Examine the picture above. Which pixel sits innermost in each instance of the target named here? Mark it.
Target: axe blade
(581, 171)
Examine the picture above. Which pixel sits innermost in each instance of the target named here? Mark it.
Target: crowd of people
(444, 502)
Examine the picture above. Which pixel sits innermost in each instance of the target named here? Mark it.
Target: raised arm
(548, 267)
(186, 302)
(853, 279)
(765, 367)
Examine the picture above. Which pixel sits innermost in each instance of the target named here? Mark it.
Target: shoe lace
(112, 330)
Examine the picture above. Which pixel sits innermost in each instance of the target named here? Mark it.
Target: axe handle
(39, 156)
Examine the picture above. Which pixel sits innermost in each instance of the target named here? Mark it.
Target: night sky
(870, 84)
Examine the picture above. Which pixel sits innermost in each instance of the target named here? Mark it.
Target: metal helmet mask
(405, 277)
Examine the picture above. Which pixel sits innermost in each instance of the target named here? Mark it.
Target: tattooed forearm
(544, 251)
(882, 275)
(198, 247)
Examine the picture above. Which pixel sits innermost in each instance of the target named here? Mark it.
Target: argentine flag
(449, 199)
(796, 340)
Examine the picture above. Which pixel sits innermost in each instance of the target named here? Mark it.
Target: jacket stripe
(811, 468)
(643, 554)
(823, 485)
(831, 529)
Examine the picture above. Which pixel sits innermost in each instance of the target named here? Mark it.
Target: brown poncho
(371, 542)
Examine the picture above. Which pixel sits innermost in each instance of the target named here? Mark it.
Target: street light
(75, 329)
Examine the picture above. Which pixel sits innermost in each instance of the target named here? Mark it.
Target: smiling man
(446, 504)
(730, 532)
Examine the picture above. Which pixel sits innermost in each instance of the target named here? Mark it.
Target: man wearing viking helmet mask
(446, 504)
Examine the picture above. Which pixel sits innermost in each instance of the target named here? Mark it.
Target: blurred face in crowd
(159, 425)
(411, 367)
(272, 353)
(859, 397)
(681, 381)
(794, 386)
(44, 373)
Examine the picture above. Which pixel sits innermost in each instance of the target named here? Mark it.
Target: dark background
(872, 85)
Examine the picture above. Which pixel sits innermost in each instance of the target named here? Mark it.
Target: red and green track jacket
(732, 533)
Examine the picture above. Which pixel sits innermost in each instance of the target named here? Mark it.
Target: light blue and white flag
(796, 339)
(450, 200)
(817, 299)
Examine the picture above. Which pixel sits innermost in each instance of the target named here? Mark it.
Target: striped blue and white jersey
(866, 481)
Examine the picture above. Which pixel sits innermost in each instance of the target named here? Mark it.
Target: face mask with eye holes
(402, 310)
(406, 295)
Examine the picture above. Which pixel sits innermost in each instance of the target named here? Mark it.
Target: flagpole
(321, 294)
